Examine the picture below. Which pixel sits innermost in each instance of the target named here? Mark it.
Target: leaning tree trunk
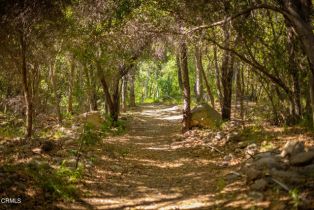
(186, 87)
(298, 14)
(27, 89)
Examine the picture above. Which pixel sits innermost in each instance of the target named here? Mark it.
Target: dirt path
(143, 169)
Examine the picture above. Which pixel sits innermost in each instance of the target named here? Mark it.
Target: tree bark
(186, 87)
(198, 74)
(71, 84)
(132, 88)
(179, 71)
(26, 87)
(57, 94)
(124, 93)
(198, 56)
(91, 89)
(218, 77)
(227, 76)
(296, 109)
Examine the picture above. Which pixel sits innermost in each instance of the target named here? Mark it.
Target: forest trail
(143, 169)
(148, 168)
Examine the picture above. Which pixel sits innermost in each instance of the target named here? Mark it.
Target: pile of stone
(291, 166)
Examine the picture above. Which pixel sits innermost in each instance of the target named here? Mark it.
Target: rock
(219, 136)
(251, 150)
(252, 174)
(232, 177)
(264, 155)
(292, 177)
(242, 145)
(232, 136)
(93, 118)
(228, 157)
(292, 148)
(302, 158)
(37, 150)
(205, 116)
(259, 185)
(256, 196)
(267, 163)
(224, 164)
(307, 171)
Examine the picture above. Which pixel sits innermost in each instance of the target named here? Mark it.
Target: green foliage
(90, 136)
(256, 134)
(111, 127)
(11, 127)
(73, 175)
(295, 196)
(59, 183)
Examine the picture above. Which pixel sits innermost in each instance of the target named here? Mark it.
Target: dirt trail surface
(146, 168)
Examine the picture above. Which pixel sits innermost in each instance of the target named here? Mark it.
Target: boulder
(252, 174)
(259, 185)
(92, 118)
(302, 158)
(205, 116)
(267, 163)
(291, 177)
(251, 150)
(292, 148)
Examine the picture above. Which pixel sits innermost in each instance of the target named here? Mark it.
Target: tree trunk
(294, 72)
(198, 55)
(179, 71)
(124, 93)
(239, 93)
(70, 99)
(218, 77)
(27, 90)
(186, 87)
(198, 74)
(90, 75)
(227, 76)
(132, 88)
(298, 14)
(57, 94)
(113, 102)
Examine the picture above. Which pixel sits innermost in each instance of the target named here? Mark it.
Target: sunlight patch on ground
(128, 203)
(164, 164)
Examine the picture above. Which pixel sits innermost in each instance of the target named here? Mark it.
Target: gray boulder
(267, 163)
(259, 185)
(302, 158)
(292, 148)
(205, 116)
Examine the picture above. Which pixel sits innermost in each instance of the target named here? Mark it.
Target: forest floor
(153, 166)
